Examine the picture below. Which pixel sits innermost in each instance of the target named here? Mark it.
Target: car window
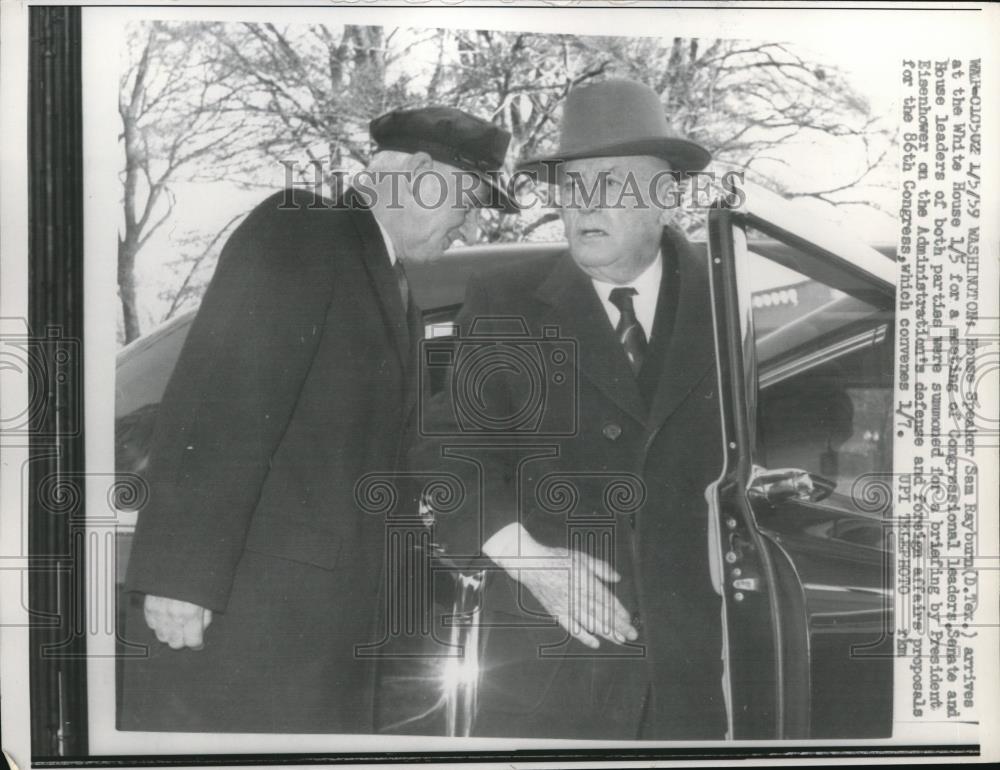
(824, 376)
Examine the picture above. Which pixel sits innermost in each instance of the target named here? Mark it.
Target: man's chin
(591, 254)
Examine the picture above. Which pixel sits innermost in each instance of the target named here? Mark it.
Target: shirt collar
(646, 284)
(647, 287)
(389, 248)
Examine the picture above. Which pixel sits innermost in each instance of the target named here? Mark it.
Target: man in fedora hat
(256, 573)
(601, 616)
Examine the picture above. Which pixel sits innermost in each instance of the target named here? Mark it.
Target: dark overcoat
(625, 482)
(291, 386)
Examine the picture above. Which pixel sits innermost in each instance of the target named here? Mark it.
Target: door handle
(746, 584)
(785, 484)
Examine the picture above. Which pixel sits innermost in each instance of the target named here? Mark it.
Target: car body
(804, 339)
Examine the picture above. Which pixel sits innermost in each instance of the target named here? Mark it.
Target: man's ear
(421, 162)
(666, 216)
(668, 196)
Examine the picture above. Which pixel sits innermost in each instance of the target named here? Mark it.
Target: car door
(804, 328)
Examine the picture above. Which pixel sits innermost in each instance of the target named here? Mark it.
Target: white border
(926, 33)
(14, 712)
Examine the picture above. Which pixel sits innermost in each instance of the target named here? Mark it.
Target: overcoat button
(612, 431)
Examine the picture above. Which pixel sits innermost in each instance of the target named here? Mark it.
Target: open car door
(804, 323)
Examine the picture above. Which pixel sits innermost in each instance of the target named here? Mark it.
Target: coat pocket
(517, 675)
(294, 541)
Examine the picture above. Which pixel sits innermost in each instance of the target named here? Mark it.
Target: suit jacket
(617, 466)
(291, 386)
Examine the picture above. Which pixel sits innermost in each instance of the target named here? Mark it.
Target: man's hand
(179, 624)
(570, 585)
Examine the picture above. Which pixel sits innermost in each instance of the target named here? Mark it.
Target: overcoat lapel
(577, 311)
(380, 272)
(687, 337)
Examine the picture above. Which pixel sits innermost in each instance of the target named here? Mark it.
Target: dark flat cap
(450, 136)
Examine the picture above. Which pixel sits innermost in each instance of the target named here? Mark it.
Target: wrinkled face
(441, 208)
(612, 221)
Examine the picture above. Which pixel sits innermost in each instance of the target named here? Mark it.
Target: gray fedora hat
(617, 117)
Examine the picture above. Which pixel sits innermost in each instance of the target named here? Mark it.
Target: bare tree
(746, 102)
(246, 101)
(309, 92)
(519, 81)
(750, 102)
(171, 102)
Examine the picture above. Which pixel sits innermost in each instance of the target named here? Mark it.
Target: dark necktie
(629, 330)
(402, 283)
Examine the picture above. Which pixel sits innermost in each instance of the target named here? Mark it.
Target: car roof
(441, 283)
(144, 366)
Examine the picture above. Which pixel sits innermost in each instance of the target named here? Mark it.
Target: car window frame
(852, 337)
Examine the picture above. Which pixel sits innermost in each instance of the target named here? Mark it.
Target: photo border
(56, 451)
(56, 445)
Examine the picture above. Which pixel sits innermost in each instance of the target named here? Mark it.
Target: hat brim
(498, 197)
(682, 154)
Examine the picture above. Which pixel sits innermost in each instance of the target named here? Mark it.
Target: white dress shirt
(389, 248)
(647, 287)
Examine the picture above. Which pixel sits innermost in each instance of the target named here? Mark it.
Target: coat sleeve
(450, 448)
(231, 395)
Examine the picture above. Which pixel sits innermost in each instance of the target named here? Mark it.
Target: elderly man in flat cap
(601, 615)
(257, 574)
